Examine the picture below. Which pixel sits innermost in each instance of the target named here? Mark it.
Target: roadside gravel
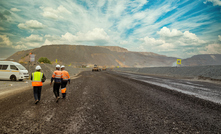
(100, 103)
(197, 72)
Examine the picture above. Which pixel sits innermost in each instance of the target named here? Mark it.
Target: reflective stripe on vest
(36, 79)
(57, 74)
(63, 90)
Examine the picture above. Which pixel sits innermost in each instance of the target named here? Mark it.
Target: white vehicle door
(4, 72)
(14, 70)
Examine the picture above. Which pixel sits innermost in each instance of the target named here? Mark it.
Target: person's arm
(61, 76)
(68, 78)
(31, 77)
(43, 78)
(52, 78)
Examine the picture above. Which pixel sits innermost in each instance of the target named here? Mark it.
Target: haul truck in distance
(95, 68)
(104, 68)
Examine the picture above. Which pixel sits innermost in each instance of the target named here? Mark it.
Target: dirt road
(101, 102)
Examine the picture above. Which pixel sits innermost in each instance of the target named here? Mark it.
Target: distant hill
(110, 56)
(203, 59)
(90, 55)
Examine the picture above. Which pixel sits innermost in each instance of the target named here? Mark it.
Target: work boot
(36, 102)
(57, 99)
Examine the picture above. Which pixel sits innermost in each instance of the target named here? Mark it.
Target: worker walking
(57, 78)
(65, 80)
(37, 78)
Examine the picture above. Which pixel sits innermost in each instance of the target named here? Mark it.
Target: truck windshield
(21, 67)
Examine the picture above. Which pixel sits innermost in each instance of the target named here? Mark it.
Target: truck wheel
(13, 78)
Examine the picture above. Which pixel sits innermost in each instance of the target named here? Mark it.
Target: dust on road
(99, 102)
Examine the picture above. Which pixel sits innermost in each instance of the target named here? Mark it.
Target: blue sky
(178, 28)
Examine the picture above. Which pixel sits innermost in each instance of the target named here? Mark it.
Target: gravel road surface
(106, 102)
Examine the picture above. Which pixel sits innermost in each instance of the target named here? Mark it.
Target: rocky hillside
(205, 59)
(110, 56)
(115, 48)
(90, 55)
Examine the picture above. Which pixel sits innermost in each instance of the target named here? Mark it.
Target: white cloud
(95, 34)
(47, 36)
(137, 5)
(177, 37)
(33, 38)
(47, 42)
(69, 37)
(215, 2)
(31, 24)
(24, 44)
(155, 45)
(152, 41)
(97, 37)
(173, 42)
(212, 49)
(189, 35)
(124, 42)
(20, 47)
(5, 41)
(31, 41)
(165, 32)
(15, 10)
(50, 15)
(33, 44)
(219, 37)
(55, 13)
(62, 9)
(52, 37)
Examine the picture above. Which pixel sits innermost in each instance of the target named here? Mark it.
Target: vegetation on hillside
(44, 60)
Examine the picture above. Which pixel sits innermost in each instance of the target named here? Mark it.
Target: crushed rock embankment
(199, 72)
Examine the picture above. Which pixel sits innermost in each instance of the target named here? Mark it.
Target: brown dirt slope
(79, 54)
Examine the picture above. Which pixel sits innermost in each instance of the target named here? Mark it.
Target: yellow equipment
(104, 68)
(95, 68)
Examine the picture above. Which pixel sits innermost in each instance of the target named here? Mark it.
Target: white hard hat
(58, 66)
(37, 67)
(62, 66)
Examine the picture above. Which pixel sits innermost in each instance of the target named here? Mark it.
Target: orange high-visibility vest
(36, 79)
(57, 74)
(65, 75)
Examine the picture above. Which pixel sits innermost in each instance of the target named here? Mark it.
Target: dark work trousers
(56, 88)
(37, 92)
(63, 85)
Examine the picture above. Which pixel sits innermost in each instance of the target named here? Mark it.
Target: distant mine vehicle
(95, 68)
(104, 68)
